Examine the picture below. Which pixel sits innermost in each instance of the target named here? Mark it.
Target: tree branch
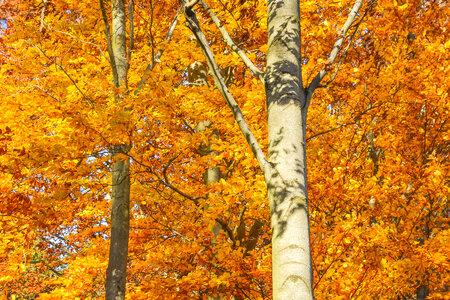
(231, 44)
(241, 215)
(346, 48)
(227, 229)
(43, 15)
(158, 54)
(193, 25)
(80, 40)
(67, 74)
(335, 50)
(169, 185)
(329, 130)
(190, 5)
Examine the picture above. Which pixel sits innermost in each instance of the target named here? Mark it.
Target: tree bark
(120, 211)
(285, 172)
(287, 106)
(120, 223)
(286, 181)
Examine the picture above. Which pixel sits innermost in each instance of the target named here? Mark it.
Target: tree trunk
(286, 183)
(285, 172)
(120, 222)
(120, 211)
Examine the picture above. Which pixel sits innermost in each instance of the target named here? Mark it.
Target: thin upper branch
(334, 51)
(193, 25)
(346, 48)
(257, 72)
(158, 54)
(43, 15)
(80, 40)
(169, 185)
(227, 230)
(67, 74)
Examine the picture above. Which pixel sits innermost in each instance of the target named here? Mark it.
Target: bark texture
(286, 181)
(120, 222)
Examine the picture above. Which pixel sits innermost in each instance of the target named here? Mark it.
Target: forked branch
(315, 83)
(193, 25)
(158, 54)
(67, 74)
(231, 44)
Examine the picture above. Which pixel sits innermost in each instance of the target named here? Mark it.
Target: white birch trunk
(286, 182)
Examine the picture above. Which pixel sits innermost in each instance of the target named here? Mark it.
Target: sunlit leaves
(377, 153)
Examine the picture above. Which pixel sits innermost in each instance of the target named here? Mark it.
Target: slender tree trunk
(422, 292)
(120, 223)
(286, 183)
(120, 212)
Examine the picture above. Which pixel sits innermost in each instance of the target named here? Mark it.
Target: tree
(120, 196)
(285, 171)
(376, 150)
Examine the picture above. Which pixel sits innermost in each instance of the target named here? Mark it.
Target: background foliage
(377, 153)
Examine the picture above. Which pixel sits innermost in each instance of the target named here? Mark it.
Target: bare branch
(350, 19)
(158, 54)
(346, 124)
(46, 92)
(334, 51)
(80, 40)
(36, 86)
(193, 25)
(231, 44)
(169, 185)
(112, 60)
(43, 15)
(330, 130)
(346, 48)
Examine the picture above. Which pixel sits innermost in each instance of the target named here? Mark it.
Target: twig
(158, 54)
(80, 40)
(37, 86)
(67, 74)
(330, 130)
(49, 94)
